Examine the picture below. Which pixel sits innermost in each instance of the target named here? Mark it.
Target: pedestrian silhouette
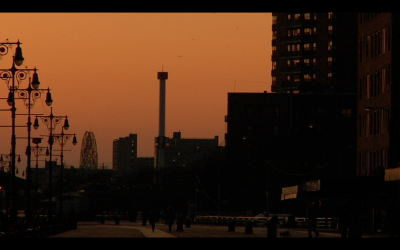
(231, 225)
(312, 220)
(170, 217)
(272, 227)
(344, 222)
(179, 222)
(152, 219)
(393, 218)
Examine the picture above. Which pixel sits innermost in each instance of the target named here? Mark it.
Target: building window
(273, 48)
(307, 16)
(330, 29)
(330, 59)
(307, 77)
(388, 76)
(307, 61)
(330, 15)
(273, 65)
(289, 16)
(367, 45)
(274, 19)
(288, 62)
(330, 45)
(330, 75)
(388, 39)
(383, 79)
(289, 48)
(308, 31)
(347, 112)
(314, 46)
(314, 61)
(288, 77)
(307, 46)
(384, 41)
(276, 112)
(297, 16)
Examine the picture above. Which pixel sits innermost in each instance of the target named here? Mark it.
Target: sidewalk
(147, 231)
(127, 229)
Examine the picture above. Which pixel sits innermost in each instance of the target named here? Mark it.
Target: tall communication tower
(89, 158)
(160, 141)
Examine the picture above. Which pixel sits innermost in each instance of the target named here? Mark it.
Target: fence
(323, 223)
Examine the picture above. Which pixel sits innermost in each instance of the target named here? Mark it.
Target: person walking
(312, 220)
(272, 227)
(152, 220)
(170, 217)
(179, 222)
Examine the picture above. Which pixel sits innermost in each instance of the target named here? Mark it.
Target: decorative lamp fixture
(35, 80)
(36, 123)
(18, 58)
(49, 100)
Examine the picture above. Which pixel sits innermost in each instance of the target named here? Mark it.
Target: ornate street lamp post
(51, 121)
(12, 73)
(62, 139)
(30, 94)
(37, 150)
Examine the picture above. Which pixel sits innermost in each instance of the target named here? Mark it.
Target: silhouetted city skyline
(101, 67)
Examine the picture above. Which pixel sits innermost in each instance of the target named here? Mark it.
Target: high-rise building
(378, 138)
(144, 162)
(314, 52)
(182, 152)
(124, 152)
(281, 139)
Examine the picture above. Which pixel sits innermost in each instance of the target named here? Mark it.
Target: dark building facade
(378, 98)
(275, 140)
(144, 162)
(182, 152)
(124, 152)
(314, 52)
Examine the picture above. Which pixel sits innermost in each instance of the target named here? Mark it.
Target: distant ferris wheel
(89, 158)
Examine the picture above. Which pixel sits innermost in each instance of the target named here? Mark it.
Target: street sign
(392, 174)
(289, 192)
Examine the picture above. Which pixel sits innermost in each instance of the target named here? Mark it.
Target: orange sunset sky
(102, 69)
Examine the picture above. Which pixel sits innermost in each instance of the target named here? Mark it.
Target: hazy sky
(102, 69)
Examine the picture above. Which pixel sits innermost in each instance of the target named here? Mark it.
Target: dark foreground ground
(128, 229)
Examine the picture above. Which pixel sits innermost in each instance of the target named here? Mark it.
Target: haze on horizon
(102, 69)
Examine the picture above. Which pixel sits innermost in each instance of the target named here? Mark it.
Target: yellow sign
(289, 192)
(392, 174)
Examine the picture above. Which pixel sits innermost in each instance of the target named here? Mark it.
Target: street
(128, 229)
